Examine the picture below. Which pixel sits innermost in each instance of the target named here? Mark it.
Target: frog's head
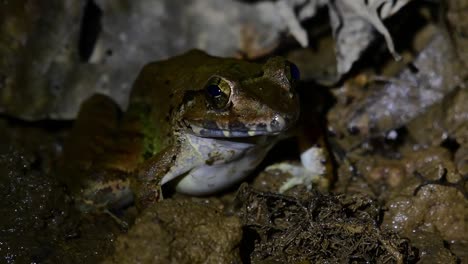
(244, 100)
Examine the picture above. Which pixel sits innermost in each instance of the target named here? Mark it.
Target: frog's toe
(314, 159)
(309, 172)
(299, 175)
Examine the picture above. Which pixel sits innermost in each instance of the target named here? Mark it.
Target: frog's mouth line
(224, 133)
(237, 129)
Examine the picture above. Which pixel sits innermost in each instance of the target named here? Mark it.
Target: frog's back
(96, 151)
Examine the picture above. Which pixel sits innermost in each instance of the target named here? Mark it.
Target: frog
(196, 122)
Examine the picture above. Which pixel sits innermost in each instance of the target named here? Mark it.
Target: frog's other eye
(218, 92)
(293, 72)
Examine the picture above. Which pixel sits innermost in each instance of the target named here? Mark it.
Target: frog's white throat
(208, 165)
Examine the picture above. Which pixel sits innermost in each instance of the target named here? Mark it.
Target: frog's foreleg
(170, 163)
(146, 184)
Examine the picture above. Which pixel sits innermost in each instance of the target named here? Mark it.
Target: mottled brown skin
(98, 152)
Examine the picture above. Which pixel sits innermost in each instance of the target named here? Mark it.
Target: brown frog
(199, 122)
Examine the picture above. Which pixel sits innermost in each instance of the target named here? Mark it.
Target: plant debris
(318, 228)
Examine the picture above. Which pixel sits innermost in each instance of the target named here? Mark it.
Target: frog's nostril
(278, 123)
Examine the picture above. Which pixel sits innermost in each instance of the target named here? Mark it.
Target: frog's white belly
(219, 163)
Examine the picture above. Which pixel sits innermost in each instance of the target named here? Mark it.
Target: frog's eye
(293, 72)
(218, 92)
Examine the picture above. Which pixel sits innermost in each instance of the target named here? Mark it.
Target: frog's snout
(278, 123)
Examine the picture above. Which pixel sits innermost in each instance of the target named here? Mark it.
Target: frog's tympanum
(197, 121)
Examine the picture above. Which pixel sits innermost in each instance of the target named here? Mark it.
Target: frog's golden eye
(218, 92)
(292, 72)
